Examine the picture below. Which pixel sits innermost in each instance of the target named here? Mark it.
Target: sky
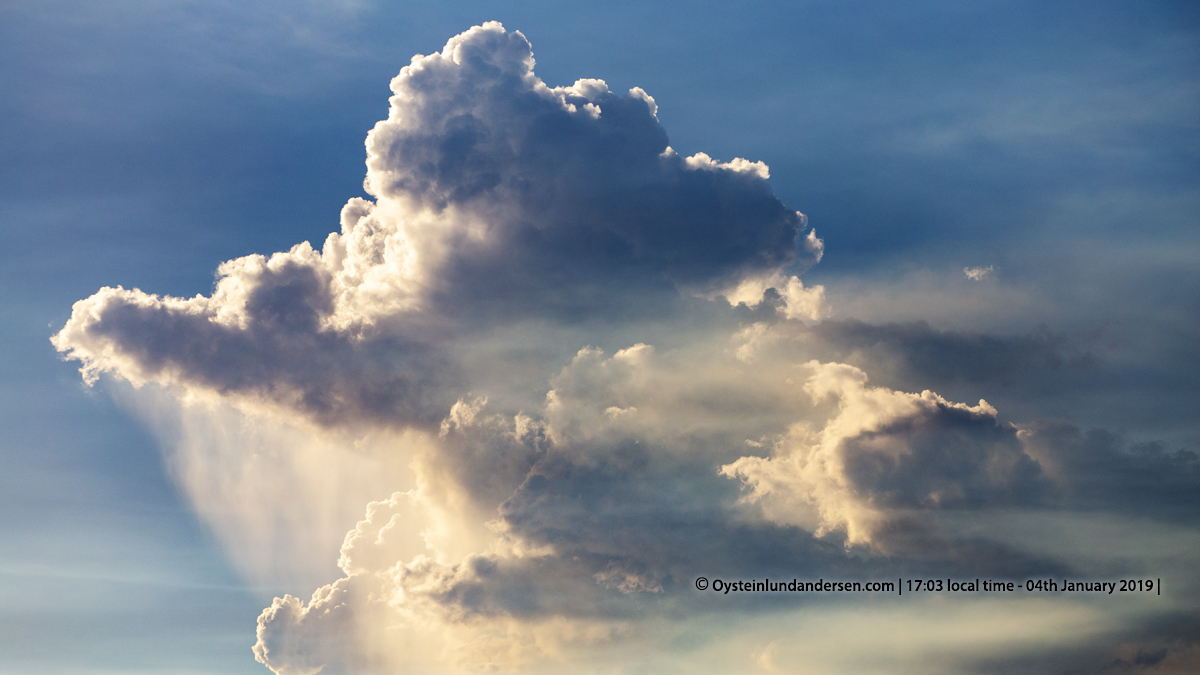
(380, 337)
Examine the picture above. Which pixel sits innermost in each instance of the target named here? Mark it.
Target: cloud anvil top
(566, 370)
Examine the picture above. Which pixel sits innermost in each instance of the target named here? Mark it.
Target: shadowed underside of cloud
(508, 214)
(916, 354)
(603, 506)
(1098, 469)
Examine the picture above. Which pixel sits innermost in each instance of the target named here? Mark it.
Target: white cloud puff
(884, 456)
(978, 273)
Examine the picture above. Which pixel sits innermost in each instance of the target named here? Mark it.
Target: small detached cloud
(978, 273)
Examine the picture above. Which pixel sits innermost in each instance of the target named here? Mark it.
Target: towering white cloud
(597, 369)
(498, 199)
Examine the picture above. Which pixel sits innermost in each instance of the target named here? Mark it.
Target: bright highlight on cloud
(534, 501)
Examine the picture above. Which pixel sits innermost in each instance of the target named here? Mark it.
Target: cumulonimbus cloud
(496, 198)
(560, 493)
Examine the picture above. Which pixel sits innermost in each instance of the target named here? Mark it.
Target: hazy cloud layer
(557, 497)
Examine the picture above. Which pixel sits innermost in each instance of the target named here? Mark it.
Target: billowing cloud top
(575, 182)
(498, 198)
(558, 494)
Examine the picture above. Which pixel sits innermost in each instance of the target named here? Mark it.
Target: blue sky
(1054, 143)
